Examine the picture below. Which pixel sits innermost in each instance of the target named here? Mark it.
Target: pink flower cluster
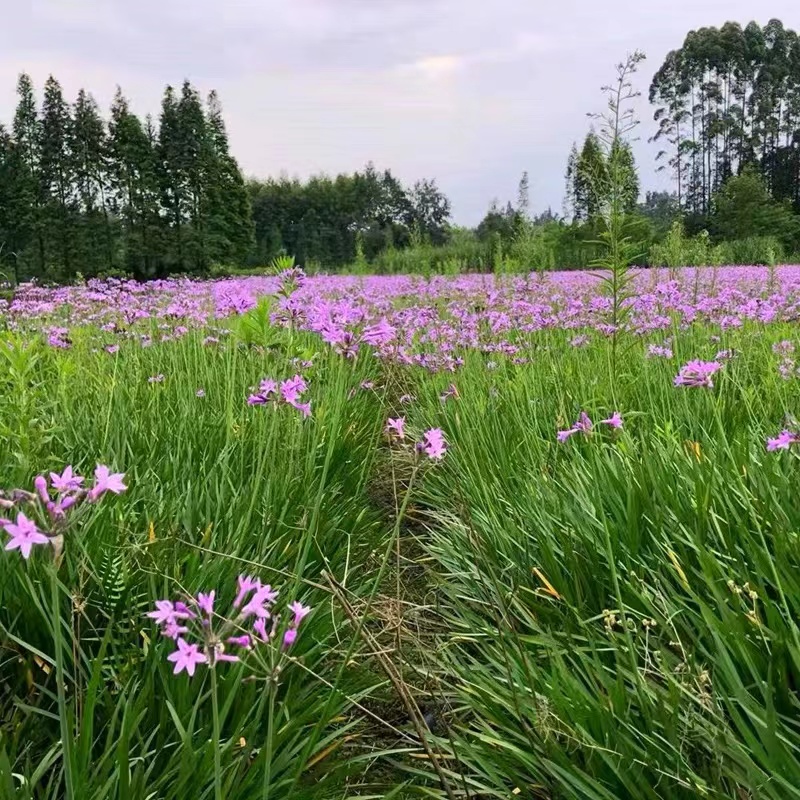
(49, 515)
(659, 351)
(783, 441)
(787, 367)
(585, 425)
(289, 391)
(224, 638)
(697, 374)
(432, 323)
(432, 444)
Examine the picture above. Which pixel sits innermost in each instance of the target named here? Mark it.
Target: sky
(470, 92)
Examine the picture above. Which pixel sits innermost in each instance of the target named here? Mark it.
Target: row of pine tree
(82, 195)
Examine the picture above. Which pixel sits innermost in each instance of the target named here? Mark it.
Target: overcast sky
(471, 92)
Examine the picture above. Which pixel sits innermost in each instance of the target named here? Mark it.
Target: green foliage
(743, 208)
(766, 250)
(216, 488)
(612, 189)
(80, 195)
(729, 98)
(616, 616)
(677, 250)
(325, 219)
(662, 209)
(589, 177)
(601, 639)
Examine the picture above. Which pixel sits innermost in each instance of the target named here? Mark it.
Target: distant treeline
(333, 222)
(81, 194)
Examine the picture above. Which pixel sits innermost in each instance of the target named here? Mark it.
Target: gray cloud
(469, 91)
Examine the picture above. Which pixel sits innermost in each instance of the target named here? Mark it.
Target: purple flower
(615, 420)
(304, 408)
(222, 656)
(239, 641)
(656, 351)
(396, 427)
(172, 629)
(300, 612)
(783, 348)
(24, 535)
(289, 638)
(697, 374)
(184, 611)
(40, 484)
(200, 393)
(167, 612)
(433, 444)
(379, 334)
(259, 603)
(783, 441)
(292, 388)
(106, 482)
(562, 436)
(111, 348)
(205, 602)
(583, 425)
(60, 507)
(186, 657)
(246, 585)
(260, 627)
(267, 388)
(66, 481)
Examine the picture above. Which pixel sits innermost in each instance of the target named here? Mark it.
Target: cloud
(434, 66)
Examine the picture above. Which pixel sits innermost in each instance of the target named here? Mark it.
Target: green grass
(596, 647)
(574, 616)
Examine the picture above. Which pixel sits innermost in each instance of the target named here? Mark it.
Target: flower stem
(268, 746)
(66, 737)
(216, 735)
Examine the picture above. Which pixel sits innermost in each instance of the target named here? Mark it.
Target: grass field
(607, 613)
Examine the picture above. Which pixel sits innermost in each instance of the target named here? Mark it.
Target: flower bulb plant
(46, 518)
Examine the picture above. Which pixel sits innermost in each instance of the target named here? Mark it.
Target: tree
(727, 98)
(430, 210)
(230, 219)
(88, 147)
(194, 170)
(744, 208)
(80, 196)
(523, 195)
(324, 219)
(172, 178)
(570, 192)
(57, 176)
(10, 174)
(622, 154)
(27, 198)
(135, 189)
(590, 179)
(499, 225)
(662, 209)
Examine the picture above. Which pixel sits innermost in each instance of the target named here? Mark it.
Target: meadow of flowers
(478, 536)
